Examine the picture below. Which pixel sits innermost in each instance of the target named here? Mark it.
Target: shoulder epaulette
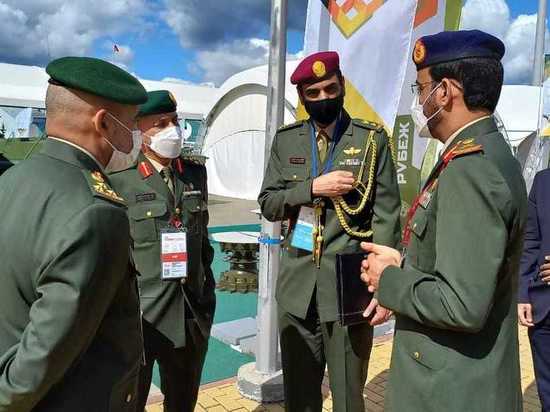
(463, 148)
(194, 159)
(299, 123)
(100, 187)
(368, 125)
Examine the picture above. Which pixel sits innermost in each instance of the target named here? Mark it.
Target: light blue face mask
(120, 160)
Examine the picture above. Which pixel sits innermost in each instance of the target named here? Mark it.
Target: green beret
(97, 77)
(159, 101)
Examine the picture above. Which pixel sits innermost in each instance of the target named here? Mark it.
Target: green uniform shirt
(456, 342)
(287, 186)
(69, 319)
(151, 207)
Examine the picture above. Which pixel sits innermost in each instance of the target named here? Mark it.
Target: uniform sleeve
(277, 201)
(387, 202)
(472, 235)
(85, 266)
(531, 247)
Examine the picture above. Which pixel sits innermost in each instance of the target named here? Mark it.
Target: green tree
(3, 131)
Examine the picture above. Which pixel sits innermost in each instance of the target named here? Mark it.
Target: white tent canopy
(235, 133)
(235, 137)
(25, 86)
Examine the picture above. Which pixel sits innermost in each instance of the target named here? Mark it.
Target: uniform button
(129, 398)
(295, 177)
(198, 208)
(149, 213)
(178, 210)
(416, 355)
(414, 226)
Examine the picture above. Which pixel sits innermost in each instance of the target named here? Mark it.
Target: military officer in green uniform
(166, 192)
(335, 175)
(70, 335)
(454, 296)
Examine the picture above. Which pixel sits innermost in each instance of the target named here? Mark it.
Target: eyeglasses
(416, 88)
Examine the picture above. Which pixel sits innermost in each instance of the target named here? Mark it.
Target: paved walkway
(224, 397)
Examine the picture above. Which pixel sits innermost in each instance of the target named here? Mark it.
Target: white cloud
(32, 31)
(218, 64)
(187, 82)
(493, 16)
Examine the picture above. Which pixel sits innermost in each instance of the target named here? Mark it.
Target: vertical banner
(373, 39)
(432, 16)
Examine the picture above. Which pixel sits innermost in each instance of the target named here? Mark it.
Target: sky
(206, 41)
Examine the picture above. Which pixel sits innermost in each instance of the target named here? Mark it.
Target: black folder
(353, 293)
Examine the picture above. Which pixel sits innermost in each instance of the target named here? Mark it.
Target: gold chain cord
(341, 206)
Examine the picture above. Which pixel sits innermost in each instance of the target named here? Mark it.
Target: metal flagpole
(538, 70)
(538, 153)
(267, 342)
(263, 380)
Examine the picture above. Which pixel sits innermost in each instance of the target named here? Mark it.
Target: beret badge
(419, 53)
(319, 69)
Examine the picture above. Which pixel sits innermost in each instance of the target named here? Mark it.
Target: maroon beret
(315, 67)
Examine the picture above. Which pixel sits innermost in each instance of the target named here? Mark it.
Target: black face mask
(325, 111)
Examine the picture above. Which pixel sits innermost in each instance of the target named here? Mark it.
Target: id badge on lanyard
(302, 236)
(173, 254)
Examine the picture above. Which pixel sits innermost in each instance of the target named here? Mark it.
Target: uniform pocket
(193, 216)
(143, 227)
(294, 175)
(419, 223)
(427, 353)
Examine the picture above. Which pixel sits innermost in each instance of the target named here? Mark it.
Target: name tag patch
(297, 160)
(145, 197)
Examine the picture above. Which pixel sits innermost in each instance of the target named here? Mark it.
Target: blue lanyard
(315, 153)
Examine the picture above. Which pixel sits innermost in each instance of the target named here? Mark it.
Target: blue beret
(449, 46)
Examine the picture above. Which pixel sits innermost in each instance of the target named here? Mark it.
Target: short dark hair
(480, 78)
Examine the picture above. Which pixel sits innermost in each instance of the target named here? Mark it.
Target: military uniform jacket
(287, 186)
(456, 342)
(69, 320)
(151, 207)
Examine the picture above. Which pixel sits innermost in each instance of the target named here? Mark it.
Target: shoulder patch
(100, 187)
(463, 148)
(368, 125)
(290, 126)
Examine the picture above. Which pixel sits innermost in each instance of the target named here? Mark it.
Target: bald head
(87, 120)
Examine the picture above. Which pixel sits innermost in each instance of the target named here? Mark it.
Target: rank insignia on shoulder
(297, 160)
(100, 187)
(352, 151)
(98, 177)
(145, 169)
(463, 147)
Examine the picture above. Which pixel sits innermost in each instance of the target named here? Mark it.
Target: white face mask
(419, 118)
(120, 160)
(167, 142)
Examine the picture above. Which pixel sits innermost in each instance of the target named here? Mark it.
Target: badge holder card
(173, 254)
(302, 237)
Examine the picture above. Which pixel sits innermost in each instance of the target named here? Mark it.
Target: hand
(380, 257)
(544, 273)
(525, 314)
(382, 314)
(333, 184)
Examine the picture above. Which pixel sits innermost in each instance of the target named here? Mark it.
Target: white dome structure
(235, 132)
